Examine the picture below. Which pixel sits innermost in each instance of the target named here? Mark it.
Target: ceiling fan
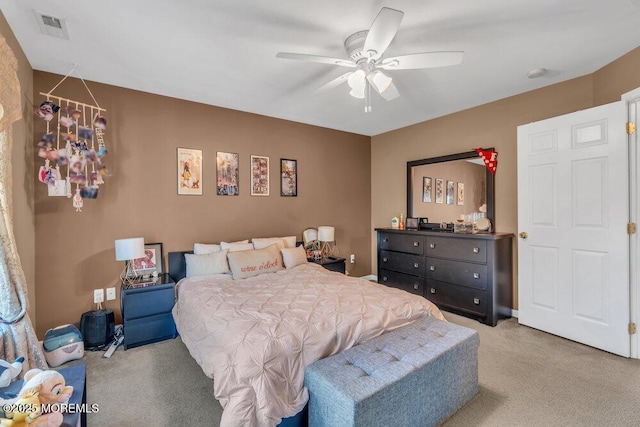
(365, 50)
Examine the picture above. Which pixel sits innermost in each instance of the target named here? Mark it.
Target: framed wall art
(189, 171)
(460, 194)
(439, 190)
(152, 260)
(259, 176)
(227, 174)
(451, 192)
(426, 189)
(288, 177)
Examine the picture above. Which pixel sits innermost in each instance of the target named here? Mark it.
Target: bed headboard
(178, 265)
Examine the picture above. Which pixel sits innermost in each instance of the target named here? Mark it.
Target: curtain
(17, 336)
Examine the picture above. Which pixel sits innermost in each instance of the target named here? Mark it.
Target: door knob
(524, 235)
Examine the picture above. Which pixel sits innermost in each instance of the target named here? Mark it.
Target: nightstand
(146, 311)
(337, 264)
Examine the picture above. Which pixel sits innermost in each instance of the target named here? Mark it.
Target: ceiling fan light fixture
(356, 83)
(380, 80)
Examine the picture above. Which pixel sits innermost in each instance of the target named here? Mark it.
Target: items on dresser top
(470, 274)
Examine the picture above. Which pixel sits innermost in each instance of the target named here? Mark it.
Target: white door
(573, 262)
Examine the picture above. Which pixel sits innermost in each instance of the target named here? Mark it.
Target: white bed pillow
(242, 245)
(205, 248)
(261, 243)
(294, 256)
(207, 264)
(252, 263)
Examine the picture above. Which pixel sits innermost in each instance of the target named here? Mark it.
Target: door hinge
(631, 128)
(631, 228)
(632, 328)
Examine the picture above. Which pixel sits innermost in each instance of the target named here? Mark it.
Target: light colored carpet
(527, 378)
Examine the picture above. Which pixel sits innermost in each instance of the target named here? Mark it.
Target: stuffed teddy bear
(8, 371)
(40, 387)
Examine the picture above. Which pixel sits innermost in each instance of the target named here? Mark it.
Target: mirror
(434, 190)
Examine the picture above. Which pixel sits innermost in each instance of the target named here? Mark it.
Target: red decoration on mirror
(490, 159)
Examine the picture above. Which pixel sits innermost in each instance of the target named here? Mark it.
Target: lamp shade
(128, 249)
(326, 233)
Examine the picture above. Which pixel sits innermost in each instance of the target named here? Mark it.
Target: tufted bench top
(418, 359)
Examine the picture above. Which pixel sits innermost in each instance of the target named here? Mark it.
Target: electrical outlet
(98, 295)
(111, 294)
(353, 258)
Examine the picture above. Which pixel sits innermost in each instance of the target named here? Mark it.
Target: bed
(255, 336)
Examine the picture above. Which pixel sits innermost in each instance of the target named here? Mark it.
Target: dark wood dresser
(469, 274)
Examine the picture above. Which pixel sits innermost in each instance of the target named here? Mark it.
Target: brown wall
(22, 169)
(75, 251)
(492, 124)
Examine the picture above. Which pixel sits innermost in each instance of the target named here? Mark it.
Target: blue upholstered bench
(417, 375)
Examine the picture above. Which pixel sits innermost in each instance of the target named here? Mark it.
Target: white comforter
(255, 336)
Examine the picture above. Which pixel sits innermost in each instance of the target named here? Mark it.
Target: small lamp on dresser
(326, 236)
(127, 250)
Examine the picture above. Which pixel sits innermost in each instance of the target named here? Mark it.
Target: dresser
(469, 274)
(146, 311)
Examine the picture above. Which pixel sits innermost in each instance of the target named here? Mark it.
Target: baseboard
(514, 313)
(371, 277)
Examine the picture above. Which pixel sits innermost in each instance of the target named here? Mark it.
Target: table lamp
(127, 250)
(326, 235)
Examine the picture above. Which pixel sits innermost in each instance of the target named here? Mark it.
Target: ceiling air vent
(52, 26)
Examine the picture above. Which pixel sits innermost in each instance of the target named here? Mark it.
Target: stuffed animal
(8, 371)
(40, 388)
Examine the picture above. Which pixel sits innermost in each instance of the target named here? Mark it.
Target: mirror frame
(490, 182)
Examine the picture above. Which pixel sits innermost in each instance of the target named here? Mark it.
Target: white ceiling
(222, 52)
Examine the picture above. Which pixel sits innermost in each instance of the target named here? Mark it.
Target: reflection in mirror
(443, 189)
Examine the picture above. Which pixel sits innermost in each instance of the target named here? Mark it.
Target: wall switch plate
(111, 294)
(98, 295)
(353, 258)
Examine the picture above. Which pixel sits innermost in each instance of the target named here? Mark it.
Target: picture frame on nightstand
(152, 261)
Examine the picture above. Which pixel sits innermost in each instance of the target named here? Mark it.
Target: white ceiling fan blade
(316, 58)
(334, 83)
(382, 32)
(422, 60)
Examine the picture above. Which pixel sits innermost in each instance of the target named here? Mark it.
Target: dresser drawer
(149, 329)
(402, 281)
(458, 297)
(458, 272)
(473, 250)
(408, 243)
(147, 301)
(404, 263)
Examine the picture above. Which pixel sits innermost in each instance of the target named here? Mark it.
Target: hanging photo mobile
(73, 148)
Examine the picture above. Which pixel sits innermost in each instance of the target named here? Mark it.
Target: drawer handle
(384, 278)
(476, 250)
(385, 240)
(432, 245)
(416, 286)
(416, 265)
(416, 244)
(476, 275)
(432, 267)
(385, 259)
(432, 290)
(476, 301)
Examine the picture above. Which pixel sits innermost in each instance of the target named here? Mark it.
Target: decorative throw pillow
(205, 248)
(294, 256)
(261, 243)
(251, 263)
(205, 265)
